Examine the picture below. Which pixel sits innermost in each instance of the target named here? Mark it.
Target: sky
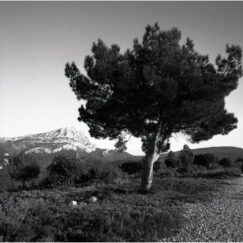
(37, 39)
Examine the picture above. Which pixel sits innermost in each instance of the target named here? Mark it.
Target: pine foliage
(160, 86)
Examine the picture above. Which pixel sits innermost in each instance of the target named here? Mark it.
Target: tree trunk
(147, 176)
(150, 159)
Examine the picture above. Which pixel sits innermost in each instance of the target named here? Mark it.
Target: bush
(82, 175)
(226, 162)
(171, 161)
(23, 167)
(62, 166)
(169, 173)
(111, 174)
(5, 180)
(239, 163)
(132, 167)
(186, 157)
(207, 160)
(67, 171)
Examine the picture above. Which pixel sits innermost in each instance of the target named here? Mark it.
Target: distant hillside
(221, 152)
(230, 152)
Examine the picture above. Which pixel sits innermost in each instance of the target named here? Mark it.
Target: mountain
(67, 141)
(49, 142)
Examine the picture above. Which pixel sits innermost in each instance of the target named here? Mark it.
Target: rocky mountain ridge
(67, 138)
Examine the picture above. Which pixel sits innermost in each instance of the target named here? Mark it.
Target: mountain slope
(49, 142)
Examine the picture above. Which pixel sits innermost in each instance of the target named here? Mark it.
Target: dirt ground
(218, 220)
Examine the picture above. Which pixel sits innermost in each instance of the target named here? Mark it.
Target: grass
(222, 172)
(120, 214)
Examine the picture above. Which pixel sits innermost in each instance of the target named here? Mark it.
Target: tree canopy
(157, 88)
(23, 167)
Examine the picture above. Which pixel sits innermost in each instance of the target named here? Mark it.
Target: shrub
(5, 180)
(207, 160)
(169, 173)
(62, 166)
(239, 163)
(23, 167)
(132, 167)
(82, 175)
(170, 160)
(186, 157)
(226, 162)
(110, 174)
(64, 171)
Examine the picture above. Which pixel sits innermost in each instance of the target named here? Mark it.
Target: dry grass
(121, 213)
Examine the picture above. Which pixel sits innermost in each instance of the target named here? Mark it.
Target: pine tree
(157, 88)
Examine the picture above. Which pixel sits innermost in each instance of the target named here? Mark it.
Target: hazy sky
(38, 38)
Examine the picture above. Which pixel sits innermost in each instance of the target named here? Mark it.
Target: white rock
(93, 199)
(74, 203)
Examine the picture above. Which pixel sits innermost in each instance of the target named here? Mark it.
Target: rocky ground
(220, 219)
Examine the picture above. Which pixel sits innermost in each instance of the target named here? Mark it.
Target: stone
(74, 203)
(93, 199)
